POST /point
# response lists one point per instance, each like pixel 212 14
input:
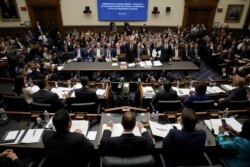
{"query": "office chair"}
pixel 238 104
pixel 89 107
pixel 167 106
pixel 206 162
pixel 204 105
pixel 40 107
pixel 137 161
pixel 15 103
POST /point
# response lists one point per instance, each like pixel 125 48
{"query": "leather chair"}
pixel 15 103
pixel 89 107
pixel 238 104
pixel 137 161
pixel 204 105
pixel 40 107
pixel 167 106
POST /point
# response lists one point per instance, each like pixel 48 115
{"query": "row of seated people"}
pixel 168 100
pixel 39 98
pixel 183 147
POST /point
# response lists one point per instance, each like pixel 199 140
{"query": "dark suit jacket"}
pixel 184 147
pixel 66 149
pixel 7 162
pixel 130 54
pixel 164 95
pixel 239 93
pixel 126 144
pixel 85 94
pixel 46 97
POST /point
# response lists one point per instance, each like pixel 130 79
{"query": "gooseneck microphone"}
pixel 212 129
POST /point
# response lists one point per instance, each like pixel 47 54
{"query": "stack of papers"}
pixel 157 63
pixel 227 87
pixel 117 130
pixel 33 136
pixel 148 92
pixel 215 123
pixel 148 64
pixel 214 89
pixel 12 137
pixel 76 124
pixel 62 92
pixel 142 63
pixel 162 130
pixel 100 92
pixel 182 91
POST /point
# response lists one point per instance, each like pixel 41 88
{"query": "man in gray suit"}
pixel 98 53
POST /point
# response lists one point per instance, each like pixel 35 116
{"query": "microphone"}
pixel 212 129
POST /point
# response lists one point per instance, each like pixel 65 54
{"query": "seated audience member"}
pixel 46 97
pixel 166 94
pixel 238 93
pixel 127 144
pixel 22 90
pixel 85 94
pixel 239 145
pixel 8 158
pixel 185 147
pixel 198 95
pixel 64 148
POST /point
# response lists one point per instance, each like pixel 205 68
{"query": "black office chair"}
pixel 90 107
pixel 40 107
pixel 238 104
pixel 205 162
pixel 204 105
pixel 137 161
pixel 15 103
pixel 167 106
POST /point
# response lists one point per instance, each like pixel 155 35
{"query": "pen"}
pixel 34 132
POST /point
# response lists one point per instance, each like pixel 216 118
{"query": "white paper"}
pixel 80 124
pixel 100 92
pixel 33 136
pixel 182 91
pixel 227 87
pixel 114 64
pixel 11 135
pixel 92 135
pixel 62 92
pixel 214 89
pixel 17 139
pixel 117 130
pixel 217 122
pixel 162 130
pixel 157 63
pixel 131 65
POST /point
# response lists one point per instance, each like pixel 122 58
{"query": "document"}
pixel 215 123
pixel 15 141
pixel 183 91
pixel 114 64
pixel 92 135
pixel 62 92
pixel 80 124
pixel 214 89
pixel 11 135
pixel 227 87
pixel 117 130
pixel 33 136
pixel 76 124
pixel 148 92
pixel 162 130
pixel 100 92
pixel 157 63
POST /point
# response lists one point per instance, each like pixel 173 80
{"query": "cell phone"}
pixel 224 123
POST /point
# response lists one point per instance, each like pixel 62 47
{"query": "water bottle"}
pixel 191 84
pixel 30 82
pixel 178 84
pixel 56 84
pixel 225 113
pixel 3 115
pixel 153 116
pixel 69 84
pixel 46 116
pixel 156 116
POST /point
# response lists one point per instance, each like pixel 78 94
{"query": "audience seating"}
pixel 167 106
pixel 15 103
pixel 137 161
pixel 204 105
pixel 238 104
pixel 40 107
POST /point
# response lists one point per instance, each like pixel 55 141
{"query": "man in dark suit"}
pixel 166 94
pixel 78 53
pixel 127 144
pixel 131 51
pixel 238 93
pixel 8 158
pixel 85 94
pixel 46 97
pixel 64 148
pixel 185 147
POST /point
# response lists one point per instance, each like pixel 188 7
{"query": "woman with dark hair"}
pixel 20 88
pixel 238 145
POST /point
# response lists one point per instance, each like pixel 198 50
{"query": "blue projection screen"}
pixel 112 10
